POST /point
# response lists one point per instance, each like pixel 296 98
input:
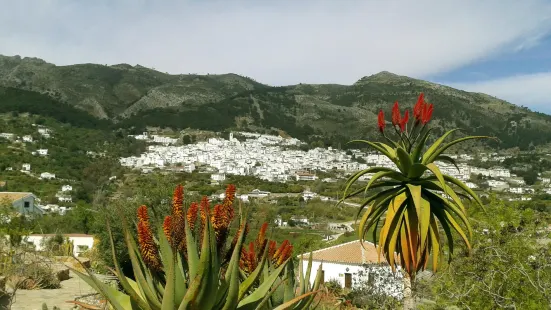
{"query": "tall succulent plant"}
pixel 416 201
pixel 190 266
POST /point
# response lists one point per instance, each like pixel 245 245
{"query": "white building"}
pixel 305 176
pixel 82 242
pixel 45 132
pixel 61 197
pixel 27 138
pixel 47 176
pixel 26 167
pixel 258 193
pixel 351 264
pixel 218 177
pixel 66 188
pixel 7 135
pixel 307 195
pixel 42 152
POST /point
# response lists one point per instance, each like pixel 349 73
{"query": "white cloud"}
pixel 276 42
pixel 530 90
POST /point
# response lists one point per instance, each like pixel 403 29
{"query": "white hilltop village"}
pixel 278 159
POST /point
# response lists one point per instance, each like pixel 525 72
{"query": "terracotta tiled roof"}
pixel 350 252
pixel 12 196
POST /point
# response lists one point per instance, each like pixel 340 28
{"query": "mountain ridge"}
pixel 136 96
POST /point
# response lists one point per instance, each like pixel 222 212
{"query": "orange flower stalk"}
pixel 418 108
pixel 404 121
pixel 192 215
pixel 167 228
pixel 204 209
pixel 142 214
pixel 147 245
pixel 285 254
pixel 381 121
pixel 396 117
pixel 178 232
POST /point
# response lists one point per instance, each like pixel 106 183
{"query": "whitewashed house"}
pixel 305 176
pixel 7 135
pixel 62 197
pixel 351 264
pixel 45 132
pixel 47 176
pixel 258 193
pixel 308 195
pixel 82 242
pixel 42 152
pixel 66 188
pixel 27 138
pixel 218 177
pixel 26 167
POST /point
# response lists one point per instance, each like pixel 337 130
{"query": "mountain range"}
pixel 126 96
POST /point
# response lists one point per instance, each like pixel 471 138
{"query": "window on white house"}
pixel 27 204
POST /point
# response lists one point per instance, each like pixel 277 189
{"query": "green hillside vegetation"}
pixel 126 96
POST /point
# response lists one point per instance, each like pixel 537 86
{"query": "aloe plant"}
pixel 189 265
pixel 415 201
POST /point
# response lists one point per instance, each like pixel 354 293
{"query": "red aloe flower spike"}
pixel 418 108
pixel 427 113
pixel 285 254
pixel 178 200
pixel 404 121
pixel 261 234
pixel 230 194
pixel 220 222
pixel 252 257
pixel 192 215
pixel 280 249
pixel 178 220
pixel 142 214
pixel 396 114
pixel 167 228
pixel 203 211
pixel 272 247
pixel 381 121
pixel 147 245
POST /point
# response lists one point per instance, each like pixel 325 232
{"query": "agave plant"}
pixel 414 200
pixel 189 265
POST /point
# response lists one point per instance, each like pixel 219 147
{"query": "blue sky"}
pixel 500 47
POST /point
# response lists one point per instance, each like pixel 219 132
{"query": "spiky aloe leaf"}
pixel 145 285
pixel 404 160
pixel 432 149
pixel 117 299
pixel 292 302
pixel 169 257
pixel 235 290
pixel 254 276
pixel 129 286
pixel 253 299
pixel 197 294
pixel 438 152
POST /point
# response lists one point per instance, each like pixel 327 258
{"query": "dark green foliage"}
pixel 22 101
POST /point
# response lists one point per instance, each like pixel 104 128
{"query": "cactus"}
pixel 188 266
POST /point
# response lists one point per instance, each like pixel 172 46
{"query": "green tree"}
pixel 510 267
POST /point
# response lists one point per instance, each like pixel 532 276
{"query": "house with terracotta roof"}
pixel 353 265
pixel 23 203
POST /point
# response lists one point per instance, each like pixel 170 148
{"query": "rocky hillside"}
pixel 135 96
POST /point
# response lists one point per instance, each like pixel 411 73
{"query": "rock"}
pixel 61 271
pixel 85 261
